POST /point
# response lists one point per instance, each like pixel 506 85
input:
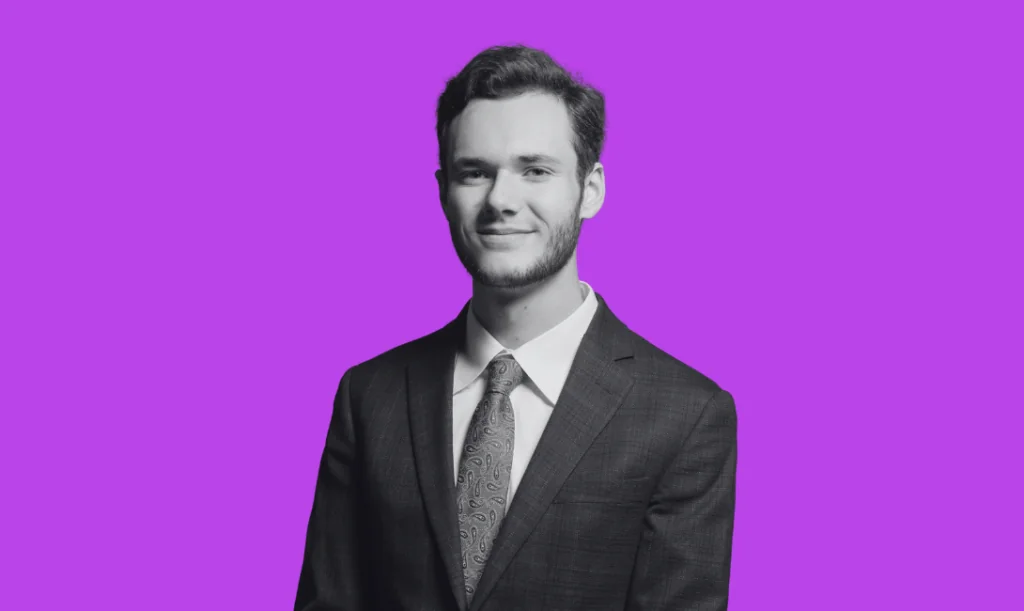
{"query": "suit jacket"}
pixel 627 503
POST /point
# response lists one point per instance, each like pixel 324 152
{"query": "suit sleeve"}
pixel 684 558
pixel 329 578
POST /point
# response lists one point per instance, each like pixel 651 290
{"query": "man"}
pixel 534 453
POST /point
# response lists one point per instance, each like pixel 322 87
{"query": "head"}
pixel 519 142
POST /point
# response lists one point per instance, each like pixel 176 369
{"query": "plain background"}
pixel 211 209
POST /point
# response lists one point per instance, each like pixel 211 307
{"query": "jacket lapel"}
pixel 430 379
pixel 593 392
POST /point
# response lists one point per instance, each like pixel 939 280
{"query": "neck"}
pixel 515 316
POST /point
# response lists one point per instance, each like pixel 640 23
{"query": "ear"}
pixel 593 192
pixel 442 189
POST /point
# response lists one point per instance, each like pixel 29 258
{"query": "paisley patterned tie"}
pixel 485 468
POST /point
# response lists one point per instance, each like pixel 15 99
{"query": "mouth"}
pixel 498 232
pixel 502 239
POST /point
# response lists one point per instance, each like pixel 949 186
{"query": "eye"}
pixel 537 172
pixel 471 175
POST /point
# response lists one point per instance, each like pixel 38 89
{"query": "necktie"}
pixel 486 467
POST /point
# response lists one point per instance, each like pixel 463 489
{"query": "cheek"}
pixel 463 205
pixel 554 209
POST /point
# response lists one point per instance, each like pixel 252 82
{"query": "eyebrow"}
pixel 538 158
pixel 521 159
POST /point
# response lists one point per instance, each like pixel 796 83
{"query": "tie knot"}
pixel 504 374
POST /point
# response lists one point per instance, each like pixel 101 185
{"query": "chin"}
pixel 498 269
pixel 502 282
pixel 498 276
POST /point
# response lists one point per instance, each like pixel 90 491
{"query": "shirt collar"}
pixel 545 360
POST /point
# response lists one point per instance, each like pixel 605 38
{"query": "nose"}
pixel 502 197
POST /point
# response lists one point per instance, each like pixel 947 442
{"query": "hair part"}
pixel 508 71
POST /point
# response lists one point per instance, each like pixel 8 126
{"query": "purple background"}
pixel 210 210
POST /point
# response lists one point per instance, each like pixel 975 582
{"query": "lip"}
pixel 502 232
pixel 502 240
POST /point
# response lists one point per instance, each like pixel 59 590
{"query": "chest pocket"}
pixel 604 488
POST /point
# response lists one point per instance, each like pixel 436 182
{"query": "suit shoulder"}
pixel 394 360
pixel 657 365
pixel 676 388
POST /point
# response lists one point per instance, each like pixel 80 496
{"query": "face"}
pixel 511 195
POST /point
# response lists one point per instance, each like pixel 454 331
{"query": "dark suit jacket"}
pixel 627 502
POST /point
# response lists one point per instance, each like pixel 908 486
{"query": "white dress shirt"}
pixel 545 360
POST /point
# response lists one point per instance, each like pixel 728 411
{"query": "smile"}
pixel 503 240
pixel 503 232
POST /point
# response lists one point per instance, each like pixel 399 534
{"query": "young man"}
pixel 535 453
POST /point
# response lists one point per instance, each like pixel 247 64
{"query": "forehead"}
pixel 532 123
